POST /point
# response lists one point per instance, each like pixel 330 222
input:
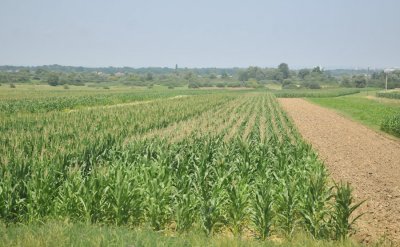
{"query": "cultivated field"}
pixel 352 152
pixel 228 163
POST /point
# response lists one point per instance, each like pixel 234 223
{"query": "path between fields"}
pixel 361 156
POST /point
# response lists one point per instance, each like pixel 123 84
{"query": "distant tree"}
pixel 149 76
pixel 317 70
pixel 53 79
pixel 188 75
pixel 224 75
pixel 346 82
pixel 303 73
pixel 286 83
pixel 243 76
pixel 193 85
pixel 212 76
pixel 360 81
pixel 221 85
pixel 284 69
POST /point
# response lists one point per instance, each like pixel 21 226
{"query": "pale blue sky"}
pixel 331 33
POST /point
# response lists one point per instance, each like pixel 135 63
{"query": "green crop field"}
pixel 393 94
pixel 226 164
pixel 314 93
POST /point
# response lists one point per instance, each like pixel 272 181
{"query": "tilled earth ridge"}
pixel 369 161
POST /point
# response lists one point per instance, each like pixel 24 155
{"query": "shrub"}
pixel 221 85
pixel 290 86
pixel 106 87
pixel 66 86
pixel 312 85
pixel 391 124
pixel 12 85
pixel 193 85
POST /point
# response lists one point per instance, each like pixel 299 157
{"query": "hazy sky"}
pixel 207 33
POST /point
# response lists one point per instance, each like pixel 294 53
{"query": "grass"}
pixel 78 234
pixel 316 93
pixel 362 107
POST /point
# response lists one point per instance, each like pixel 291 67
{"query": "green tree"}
pixel 284 69
pixel 317 70
pixel 303 73
pixel 53 79
pixel 243 76
pixel 360 81
pixel 149 76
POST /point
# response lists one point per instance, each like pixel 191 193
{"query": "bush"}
pixel 106 87
pixel 290 86
pixel 220 85
pixel 66 86
pixel 312 85
pixel 391 124
pixel 12 85
pixel 286 82
pixel 193 85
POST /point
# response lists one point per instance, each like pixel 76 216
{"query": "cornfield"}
pixel 222 162
pixel 390 95
pixel 316 93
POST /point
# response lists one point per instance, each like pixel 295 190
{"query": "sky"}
pixel 207 33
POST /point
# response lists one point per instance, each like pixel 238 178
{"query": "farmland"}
pixel 226 163
pixel 316 93
pixel 375 112
pixel 394 94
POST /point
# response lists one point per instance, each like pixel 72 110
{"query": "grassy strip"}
pixel 78 234
pixel 367 111
pixel 316 93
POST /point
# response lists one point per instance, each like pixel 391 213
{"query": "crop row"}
pixel 390 95
pixel 94 166
pixel 317 93
pixel 53 101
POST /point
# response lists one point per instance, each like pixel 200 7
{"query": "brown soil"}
pixel 369 161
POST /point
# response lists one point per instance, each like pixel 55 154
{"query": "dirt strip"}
pixel 356 154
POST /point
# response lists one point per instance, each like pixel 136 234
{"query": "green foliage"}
pixel 53 79
pixel 345 207
pixel 391 124
pixel 312 85
pixel 284 69
pixel 323 93
pixel 95 165
pixel 368 111
pixel 360 81
pixel 390 95
pixel 78 234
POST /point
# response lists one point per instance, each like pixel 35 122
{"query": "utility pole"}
pixel 386 81
pixel 387 71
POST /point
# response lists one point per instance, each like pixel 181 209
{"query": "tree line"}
pixel 252 76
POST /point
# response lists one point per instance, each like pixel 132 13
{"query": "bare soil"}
pixel 366 159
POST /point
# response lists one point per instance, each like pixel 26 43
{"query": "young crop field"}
pixel 390 94
pixel 315 93
pixel 225 163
